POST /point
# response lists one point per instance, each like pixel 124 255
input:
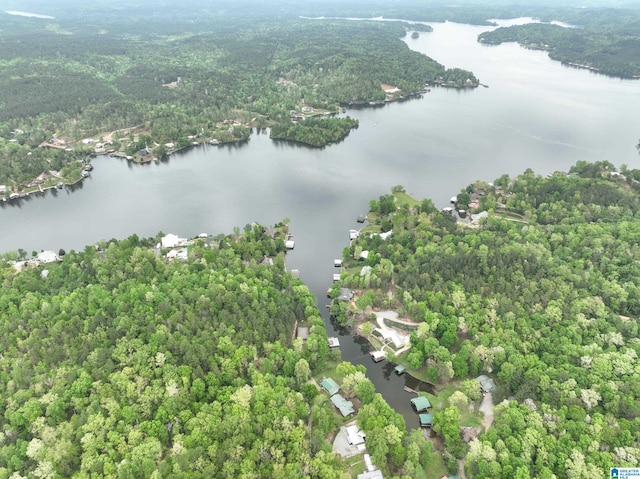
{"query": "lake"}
pixel 534 114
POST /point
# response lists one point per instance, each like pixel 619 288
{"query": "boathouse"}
pixel 420 403
pixel 426 420
pixel 378 356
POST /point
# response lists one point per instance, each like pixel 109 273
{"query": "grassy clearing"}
pixel 402 198
pixel 437 468
pixel 355 465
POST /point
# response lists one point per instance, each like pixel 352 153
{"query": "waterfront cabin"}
pixel 345 407
pixel 345 294
pixel 426 420
pixel 334 342
pixel 336 277
pixel 289 244
pixel 486 384
pixel 420 403
pixel 354 435
pixel 330 386
pixel 400 369
pixel 353 234
pixel 337 263
pixel 454 200
pixel 378 356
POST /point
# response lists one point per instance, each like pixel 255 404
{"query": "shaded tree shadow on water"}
pixel 387 369
pixel 76 186
pixel 283 144
pixel 418 385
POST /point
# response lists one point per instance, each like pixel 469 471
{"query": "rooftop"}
pixel 421 403
pixel 345 407
pixel 426 419
pixel 330 386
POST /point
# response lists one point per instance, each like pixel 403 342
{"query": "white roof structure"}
pixel 171 241
pixel 178 254
pixel 355 436
pixel 47 257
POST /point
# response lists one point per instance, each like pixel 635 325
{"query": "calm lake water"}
pixel 535 114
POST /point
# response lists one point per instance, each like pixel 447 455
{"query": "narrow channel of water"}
pixel 535 114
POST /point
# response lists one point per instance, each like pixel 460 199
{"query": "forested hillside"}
pixel 120 364
pixel 134 82
pixel 542 295
pixel 604 40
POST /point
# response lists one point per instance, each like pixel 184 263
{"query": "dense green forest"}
pixel 314 131
pixel 138 82
pixel 541 294
pixel 119 363
pixel 605 40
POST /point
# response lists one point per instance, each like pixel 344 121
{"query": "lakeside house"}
pixel 171 241
pixel 345 294
pixel 486 383
pixel 355 437
pixel 47 257
pixel 181 254
pixel 330 386
pixel 344 406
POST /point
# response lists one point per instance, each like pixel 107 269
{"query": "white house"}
pixel 171 241
pixel 47 257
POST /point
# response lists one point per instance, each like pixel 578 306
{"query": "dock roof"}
pixel 426 419
pixel 330 386
pixel 400 369
pixel 421 403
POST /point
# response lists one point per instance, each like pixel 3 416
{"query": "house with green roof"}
pixel 330 386
pixel 345 407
